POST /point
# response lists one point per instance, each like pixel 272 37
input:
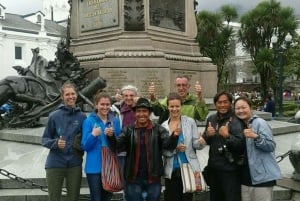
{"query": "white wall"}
pixel 60 8
pixel 8 41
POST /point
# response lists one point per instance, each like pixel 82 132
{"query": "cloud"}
pixel 22 7
pixel 242 5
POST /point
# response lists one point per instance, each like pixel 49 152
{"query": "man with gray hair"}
pixel 126 100
pixel 193 106
pixel 124 110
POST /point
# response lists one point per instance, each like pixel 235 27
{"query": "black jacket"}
pixel 157 138
pixel 221 158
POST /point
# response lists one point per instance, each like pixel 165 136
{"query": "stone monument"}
pixel 138 42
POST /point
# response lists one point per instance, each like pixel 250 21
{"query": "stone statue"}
pixel 35 93
pixel 134 15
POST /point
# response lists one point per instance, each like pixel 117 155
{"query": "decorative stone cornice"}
pixel 187 58
pixel 143 54
pixel 91 57
pixel 122 54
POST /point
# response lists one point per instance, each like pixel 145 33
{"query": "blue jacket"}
pixel 191 136
pixel 261 157
pixel 93 145
pixel 65 122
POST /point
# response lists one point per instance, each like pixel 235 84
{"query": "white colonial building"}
pixel 21 33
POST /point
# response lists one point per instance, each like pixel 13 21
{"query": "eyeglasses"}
pixel 182 85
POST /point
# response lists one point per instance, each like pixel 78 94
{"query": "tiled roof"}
pixel 16 22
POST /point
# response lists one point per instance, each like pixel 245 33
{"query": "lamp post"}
pixel 280 49
pixel 280 81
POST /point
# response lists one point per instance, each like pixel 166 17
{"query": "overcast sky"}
pixel 22 6
pixel 30 6
pixel 244 5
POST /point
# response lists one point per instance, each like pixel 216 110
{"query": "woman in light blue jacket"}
pixel 260 169
pixel 188 140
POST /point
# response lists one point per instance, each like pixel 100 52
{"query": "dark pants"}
pixel 224 185
pixel 174 188
pixel 55 179
pixel 96 190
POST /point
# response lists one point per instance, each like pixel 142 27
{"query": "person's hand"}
pixel 249 133
pixel 224 130
pixel 198 90
pixel 210 130
pixel 109 131
pixel 151 91
pixel 201 139
pixel 181 147
pixel 118 96
pixel 96 131
pixel 61 143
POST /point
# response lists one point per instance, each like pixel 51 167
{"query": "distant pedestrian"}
pixel 270 106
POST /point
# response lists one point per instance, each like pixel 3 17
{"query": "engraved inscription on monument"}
pixel 168 14
pixel 159 80
pixel 98 14
pixel 140 77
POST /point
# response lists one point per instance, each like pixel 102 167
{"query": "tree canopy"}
pixel 214 38
pixel 257 28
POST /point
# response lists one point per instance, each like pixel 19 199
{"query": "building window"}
pixel 39 19
pixel 18 52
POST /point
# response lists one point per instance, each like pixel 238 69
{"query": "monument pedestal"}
pixel 136 42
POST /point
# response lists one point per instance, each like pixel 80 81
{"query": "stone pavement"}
pixel 22 155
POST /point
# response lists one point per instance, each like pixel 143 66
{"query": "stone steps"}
pixel 280 194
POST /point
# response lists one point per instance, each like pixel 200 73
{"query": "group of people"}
pixel 241 163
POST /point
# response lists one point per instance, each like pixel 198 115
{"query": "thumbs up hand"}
pixel 198 90
pixel 201 139
pixel 210 130
pixel 61 142
pixel 151 91
pixel 118 95
pixel 96 130
pixel 224 131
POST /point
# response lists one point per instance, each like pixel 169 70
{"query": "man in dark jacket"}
pixel 224 135
pixel 143 142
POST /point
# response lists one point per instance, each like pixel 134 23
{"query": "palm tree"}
pixel 215 38
pixel 257 28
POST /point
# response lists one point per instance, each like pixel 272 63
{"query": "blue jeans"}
pixel 96 190
pixel 121 160
pixel 141 190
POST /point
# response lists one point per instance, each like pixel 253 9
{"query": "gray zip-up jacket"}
pixel 191 136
